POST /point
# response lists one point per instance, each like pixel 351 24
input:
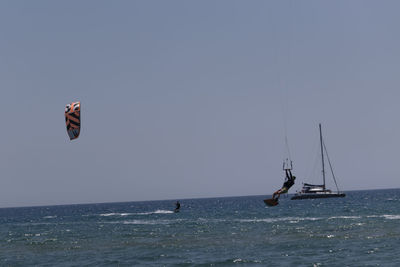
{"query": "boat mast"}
pixel 322 154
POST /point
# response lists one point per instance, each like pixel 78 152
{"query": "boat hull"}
pixel 313 196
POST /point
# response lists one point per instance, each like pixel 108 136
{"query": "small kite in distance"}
pixel 73 119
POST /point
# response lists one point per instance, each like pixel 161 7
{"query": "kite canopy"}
pixel 73 119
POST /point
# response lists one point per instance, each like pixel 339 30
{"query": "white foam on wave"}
pixel 392 217
pixel 140 222
pixel 108 214
pixel 296 219
pixel 139 213
pixel 345 217
pixel 286 219
pixel 155 212
pixel 386 216
pixel 239 260
pixel 146 222
pixel 116 214
pixel 50 217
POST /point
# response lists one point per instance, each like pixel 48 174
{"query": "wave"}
pixel 345 217
pixel 392 217
pixel 288 219
pixel 116 214
pixel 50 217
pixel 148 222
pixel 297 219
pixel 155 212
pixel 386 216
pixel 139 213
pixel 143 222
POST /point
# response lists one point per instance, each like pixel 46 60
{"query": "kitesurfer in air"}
pixel 289 182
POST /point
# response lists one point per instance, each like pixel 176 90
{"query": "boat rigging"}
pixel 310 191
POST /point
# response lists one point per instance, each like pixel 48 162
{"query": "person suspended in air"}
pixel 289 182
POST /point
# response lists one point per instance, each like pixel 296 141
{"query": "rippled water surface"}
pixel 362 229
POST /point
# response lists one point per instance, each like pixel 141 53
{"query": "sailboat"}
pixel 319 191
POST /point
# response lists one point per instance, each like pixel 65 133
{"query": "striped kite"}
pixel 73 119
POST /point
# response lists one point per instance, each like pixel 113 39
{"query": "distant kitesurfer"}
pixel 177 206
pixel 289 182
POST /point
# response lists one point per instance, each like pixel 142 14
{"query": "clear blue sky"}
pixel 185 99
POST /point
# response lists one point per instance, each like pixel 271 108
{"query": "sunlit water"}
pixel 362 229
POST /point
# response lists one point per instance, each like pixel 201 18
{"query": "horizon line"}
pixel 171 199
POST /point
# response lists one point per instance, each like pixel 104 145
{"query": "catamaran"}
pixel 319 191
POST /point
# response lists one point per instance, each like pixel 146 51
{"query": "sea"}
pixel 362 229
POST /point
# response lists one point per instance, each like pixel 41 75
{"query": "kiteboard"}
pixel 271 202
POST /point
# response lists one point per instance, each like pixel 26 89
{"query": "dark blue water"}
pixel 362 229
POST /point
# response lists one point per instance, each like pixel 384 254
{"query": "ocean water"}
pixel 362 229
